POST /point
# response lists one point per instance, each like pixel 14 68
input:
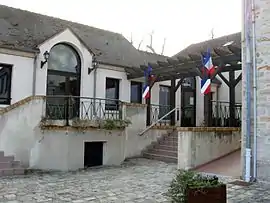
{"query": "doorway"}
pixel 63 83
pixel 93 154
pixel 188 102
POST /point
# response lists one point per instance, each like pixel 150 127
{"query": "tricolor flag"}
pixel 208 71
pixel 208 63
pixel 146 89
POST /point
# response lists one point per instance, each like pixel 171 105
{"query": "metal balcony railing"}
pixel 85 108
pixel 221 114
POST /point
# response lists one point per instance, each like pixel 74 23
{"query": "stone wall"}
pixel 198 146
pixel 262 32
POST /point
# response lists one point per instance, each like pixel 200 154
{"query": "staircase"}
pixel 8 166
pixel 165 149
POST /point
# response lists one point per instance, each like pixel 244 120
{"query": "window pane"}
pixel 112 92
pixel 63 58
pixel 136 92
pixel 5 83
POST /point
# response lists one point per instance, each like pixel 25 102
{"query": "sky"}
pixel 181 22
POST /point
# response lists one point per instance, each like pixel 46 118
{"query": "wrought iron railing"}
pixel 85 108
pixel 158 111
pixel 221 114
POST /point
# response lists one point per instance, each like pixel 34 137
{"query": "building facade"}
pixel 41 56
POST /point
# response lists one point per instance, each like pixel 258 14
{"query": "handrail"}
pixel 149 127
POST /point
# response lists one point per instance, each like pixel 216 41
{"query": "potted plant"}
pixel 191 187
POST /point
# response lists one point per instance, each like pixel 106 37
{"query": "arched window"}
pixel 63 79
pixel 64 69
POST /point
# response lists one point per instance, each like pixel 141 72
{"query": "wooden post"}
pixel 172 101
pixel 232 97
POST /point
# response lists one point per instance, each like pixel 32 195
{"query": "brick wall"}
pixel 262 27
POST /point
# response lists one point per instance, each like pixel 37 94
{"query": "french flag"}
pixel 208 63
pixel 146 89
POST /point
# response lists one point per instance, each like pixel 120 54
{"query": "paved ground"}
pixel 229 166
pixel 138 180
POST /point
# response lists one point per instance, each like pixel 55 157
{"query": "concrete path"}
pixel 138 180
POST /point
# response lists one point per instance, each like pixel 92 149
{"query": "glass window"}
pixel 63 58
pixel 5 83
pixel 136 92
pixel 112 94
pixel 164 100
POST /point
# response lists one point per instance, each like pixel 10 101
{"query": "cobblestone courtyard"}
pixel 138 180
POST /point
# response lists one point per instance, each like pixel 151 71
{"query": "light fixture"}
pixel 94 65
pixel 46 57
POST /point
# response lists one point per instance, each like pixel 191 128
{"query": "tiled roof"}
pixel 24 30
pixel 198 48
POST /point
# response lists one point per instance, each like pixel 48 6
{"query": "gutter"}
pixel 34 75
pixel 254 92
pixel 248 66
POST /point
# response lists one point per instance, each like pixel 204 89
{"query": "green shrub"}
pixel 188 179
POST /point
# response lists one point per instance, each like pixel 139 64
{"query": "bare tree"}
pixel 131 38
pixel 163 46
pixel 150 46
pixel 212 33
pixel 140 43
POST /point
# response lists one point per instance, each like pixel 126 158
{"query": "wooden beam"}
pixel 172 101
pixel 179 83
pixel 224 79
pixel 232 97
pixel 238 79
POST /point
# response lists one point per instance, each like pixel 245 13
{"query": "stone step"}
pixel 6 158
pixel 15 164
pixel 166 147
pixel 2 154
pixel 11 171
pixel 171 138
pixel 167 159
pixel 163 152
pixel 4 165
pixel 168 142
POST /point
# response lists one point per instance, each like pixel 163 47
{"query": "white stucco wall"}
pixel 60 150
pixel 18 127
pixel 86 61
pixel 22 75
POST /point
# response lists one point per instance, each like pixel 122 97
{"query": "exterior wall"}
pixel 18 124
pixel 60 150
pixel 86 62
pixel 262 28
pixel 200 146
pixel 22 75
pixel 105 71
pixel 135 143
pixel 64 149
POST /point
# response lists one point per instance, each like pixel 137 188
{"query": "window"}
pixel 164 100
pixel 63 78
pixel 112 94
pixel 5 83
pixel 136 92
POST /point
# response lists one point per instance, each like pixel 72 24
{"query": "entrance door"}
pixel 164 101
pixel 188 103
pixel 93 154
pixel 63 83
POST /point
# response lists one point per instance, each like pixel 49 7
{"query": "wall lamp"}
pixel 94 64
pixel 46 57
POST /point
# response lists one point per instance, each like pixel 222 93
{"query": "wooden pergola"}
pixel 226 56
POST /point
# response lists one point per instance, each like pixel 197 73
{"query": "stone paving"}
pixel 138 180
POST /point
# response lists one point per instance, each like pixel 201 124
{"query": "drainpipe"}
pixel 248 89
pixel 254 92
pixel 34 75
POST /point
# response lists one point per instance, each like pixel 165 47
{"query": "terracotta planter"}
pixel 209 195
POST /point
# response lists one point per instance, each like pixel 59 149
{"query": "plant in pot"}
pixel 191 187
